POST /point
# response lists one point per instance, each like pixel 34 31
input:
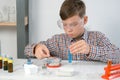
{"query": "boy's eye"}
pixel 74 24
pixel 64 24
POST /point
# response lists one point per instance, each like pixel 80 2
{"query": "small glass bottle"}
pixel 5 63
pixel 10 65
pixel 0 62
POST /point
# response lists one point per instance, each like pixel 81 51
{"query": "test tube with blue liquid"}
pixel 69 56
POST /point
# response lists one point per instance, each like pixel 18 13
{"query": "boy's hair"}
pixel 70 8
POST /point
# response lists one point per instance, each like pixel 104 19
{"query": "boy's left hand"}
pixel 79 47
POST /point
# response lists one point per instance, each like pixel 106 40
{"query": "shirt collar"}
pixel 84 37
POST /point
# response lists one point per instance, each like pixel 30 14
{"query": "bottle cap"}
pixel 5 59
pixel 29 61
pixel 0 58
pixel 10 61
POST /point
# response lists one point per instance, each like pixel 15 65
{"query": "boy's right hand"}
pixel 41 51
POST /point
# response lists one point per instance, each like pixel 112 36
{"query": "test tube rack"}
pixel 111 71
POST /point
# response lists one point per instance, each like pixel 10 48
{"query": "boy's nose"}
pixel 69 30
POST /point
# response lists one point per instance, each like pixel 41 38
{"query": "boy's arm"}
pixel 51 44
pixel 29 49
pixel 104 50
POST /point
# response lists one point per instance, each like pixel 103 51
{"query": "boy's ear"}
pixel 85 19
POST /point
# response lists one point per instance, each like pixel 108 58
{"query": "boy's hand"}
pixel 80 47
pixel 41 51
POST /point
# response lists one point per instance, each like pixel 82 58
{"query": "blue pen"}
pixel 69 56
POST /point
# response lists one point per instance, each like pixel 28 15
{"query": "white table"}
pixel 85 70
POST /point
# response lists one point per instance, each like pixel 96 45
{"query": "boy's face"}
pixel 74 26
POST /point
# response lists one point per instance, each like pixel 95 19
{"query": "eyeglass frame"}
pixel 71 26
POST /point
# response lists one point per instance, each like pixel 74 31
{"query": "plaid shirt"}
pixel 100 47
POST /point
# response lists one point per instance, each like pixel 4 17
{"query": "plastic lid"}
pixel 5 59
pixel 0 58
pixel 53 62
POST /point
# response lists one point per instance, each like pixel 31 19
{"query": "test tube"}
pixel 69 56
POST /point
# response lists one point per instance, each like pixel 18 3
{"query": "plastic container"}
pixel 53 62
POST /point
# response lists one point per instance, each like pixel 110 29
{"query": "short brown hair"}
pixel 70 8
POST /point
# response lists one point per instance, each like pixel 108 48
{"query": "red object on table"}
pixel 111 71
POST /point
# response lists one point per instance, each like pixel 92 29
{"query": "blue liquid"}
pixel 69 57
pixel 29 61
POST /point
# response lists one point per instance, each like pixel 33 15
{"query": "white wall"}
pixel 43 19
pixel 8 37
pixel 103 16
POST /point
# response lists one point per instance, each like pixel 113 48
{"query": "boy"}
pixel 83 44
